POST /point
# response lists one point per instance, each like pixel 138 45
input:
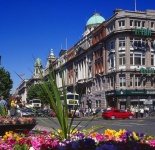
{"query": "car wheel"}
pixel 112 117
pixel 130 117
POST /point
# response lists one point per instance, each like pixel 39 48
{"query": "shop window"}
pixel 121 59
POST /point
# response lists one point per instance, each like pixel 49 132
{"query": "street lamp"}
pixel 0 59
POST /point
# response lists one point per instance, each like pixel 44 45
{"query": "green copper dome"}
pixel 38 62
pixel 95 19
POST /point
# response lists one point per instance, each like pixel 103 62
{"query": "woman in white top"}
pixel 141 112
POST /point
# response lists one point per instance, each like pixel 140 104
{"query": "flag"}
pixel 22 74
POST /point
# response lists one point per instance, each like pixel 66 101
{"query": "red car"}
pixel 52 113
pixel 117 113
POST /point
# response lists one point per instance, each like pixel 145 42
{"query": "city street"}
pixel 144 125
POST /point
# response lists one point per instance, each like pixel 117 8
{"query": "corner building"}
pixel 114 62
pixel 130 45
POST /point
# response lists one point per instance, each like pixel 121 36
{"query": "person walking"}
pixel 141 112
pixel 136 111
pixel 3 104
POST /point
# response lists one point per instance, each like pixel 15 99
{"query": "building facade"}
pixel 114 62
pixel 130 45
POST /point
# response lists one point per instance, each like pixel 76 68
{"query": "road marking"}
pixel 76 125
pixel 123 125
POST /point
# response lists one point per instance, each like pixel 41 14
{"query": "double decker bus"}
pixel 72 100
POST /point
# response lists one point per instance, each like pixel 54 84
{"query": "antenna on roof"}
pixel 135 5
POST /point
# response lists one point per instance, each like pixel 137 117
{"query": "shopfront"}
pixel 125 98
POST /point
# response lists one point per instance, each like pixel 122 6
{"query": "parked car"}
pixel 52 113
pixel 27 112
pixel 117 113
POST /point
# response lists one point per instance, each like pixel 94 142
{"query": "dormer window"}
pixel 152 25
pixel 137 24
pixel 121 23
pixel 143 24
pixel 131 23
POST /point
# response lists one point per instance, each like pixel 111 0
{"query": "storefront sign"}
pixel 135 92
pixel 110 93
pixel 145 32
pixel 143 70
pixel 150 92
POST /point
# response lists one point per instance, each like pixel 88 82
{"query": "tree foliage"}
pixel 36 91
pixel 6 83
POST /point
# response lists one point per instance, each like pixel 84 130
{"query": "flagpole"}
pixel 135 5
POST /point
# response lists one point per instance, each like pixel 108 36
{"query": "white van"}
pixel 34 103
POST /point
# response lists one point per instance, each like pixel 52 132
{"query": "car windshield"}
pixel 36 101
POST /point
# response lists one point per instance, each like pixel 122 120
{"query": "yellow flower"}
pixel 135 136
pixel 149 138
pixel 120 133
pixel 93 135
pixel 59 131
pixel 110 133
pixel 74 131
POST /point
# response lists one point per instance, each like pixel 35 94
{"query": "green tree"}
pixel 36 91
pixel 6 83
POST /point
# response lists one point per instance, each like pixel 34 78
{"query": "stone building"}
pixel 113 63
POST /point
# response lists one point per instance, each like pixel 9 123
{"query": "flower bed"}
pixel 16 124
pixel 17 120
pixel 109 140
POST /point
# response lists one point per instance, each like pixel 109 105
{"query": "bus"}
pixel 34 103
pixel 72 100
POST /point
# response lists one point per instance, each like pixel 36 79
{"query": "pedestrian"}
pixel 136 111
pixel 141 112
pixel 3 106
pixel 146 111
pixel 108 108
pixel 132 110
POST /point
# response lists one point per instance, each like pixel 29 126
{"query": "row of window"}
pixel 136 23
pixel 134 42
pixel 135 81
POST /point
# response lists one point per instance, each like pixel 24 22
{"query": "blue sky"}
pixel 32 27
